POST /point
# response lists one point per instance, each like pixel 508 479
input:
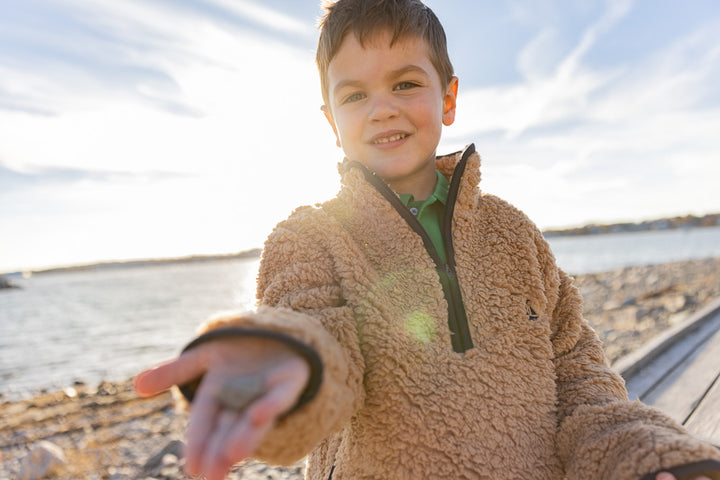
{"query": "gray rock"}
pixel 172 449
pixel 238 392
pixel 43 460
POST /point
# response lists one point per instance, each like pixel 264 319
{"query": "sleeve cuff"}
pixel 304 350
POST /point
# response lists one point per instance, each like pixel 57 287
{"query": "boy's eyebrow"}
pixel 345 83
pixel 390 75
pixel 406 69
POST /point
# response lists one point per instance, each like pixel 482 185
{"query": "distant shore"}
pixel 106 431
pixel 246 254
pixel 672 223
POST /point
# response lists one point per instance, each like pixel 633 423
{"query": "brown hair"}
pixel 365 18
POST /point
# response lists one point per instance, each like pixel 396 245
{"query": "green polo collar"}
pixel 440 194
pixel 430 212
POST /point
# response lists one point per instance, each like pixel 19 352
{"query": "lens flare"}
pixel 420 326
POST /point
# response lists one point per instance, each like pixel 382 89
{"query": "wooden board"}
pixel 705 420
pixel 679 373
pixel 683 386
pixel 647 367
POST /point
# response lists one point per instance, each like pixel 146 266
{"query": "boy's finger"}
pixel 201 424
pixel 183 369
pixel 216 461
pixel 244 439
pixel 150 382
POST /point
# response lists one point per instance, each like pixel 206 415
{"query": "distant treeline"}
pixel 688 221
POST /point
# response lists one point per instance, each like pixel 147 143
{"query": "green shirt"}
pixel 430 212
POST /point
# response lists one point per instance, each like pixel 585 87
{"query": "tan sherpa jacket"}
pixel 532 398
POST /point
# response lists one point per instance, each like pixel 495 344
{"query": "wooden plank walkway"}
pixel 679 373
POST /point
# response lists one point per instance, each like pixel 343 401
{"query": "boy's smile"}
pixel 387 107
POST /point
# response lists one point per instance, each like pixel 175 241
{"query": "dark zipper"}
pixel 457 317
pixel 462 340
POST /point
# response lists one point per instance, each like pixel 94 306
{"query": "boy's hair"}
pixel 365 18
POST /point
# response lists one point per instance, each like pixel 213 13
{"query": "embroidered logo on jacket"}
pixel 530 312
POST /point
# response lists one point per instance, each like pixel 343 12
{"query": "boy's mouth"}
pixel 392 138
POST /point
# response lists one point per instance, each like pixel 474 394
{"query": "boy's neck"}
pixel 420 184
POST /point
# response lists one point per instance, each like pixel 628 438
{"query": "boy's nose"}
pixel 382 108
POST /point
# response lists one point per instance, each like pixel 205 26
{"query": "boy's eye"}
pixel 353 97
pixel 405 85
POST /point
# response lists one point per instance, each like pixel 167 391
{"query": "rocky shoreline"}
pixel 106 432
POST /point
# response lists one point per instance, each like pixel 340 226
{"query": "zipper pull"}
pixel 447 269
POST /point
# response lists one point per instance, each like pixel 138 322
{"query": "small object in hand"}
pixel 238 392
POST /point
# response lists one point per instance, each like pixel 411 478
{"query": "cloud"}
pixel 215 135
pixel 267 17
pixel 621 141
pixel 185 97
pixel 548 93
pixel 616 10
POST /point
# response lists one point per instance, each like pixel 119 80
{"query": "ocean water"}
pixel 108 324
pixel 600 253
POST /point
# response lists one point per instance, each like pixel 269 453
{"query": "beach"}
pixel 104 431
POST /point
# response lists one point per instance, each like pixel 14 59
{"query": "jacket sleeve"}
pixel 601 434
pixel 299 295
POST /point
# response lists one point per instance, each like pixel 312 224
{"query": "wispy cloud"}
pixel 267 17
pixel 547 94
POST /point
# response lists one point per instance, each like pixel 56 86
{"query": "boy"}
pixel 412 327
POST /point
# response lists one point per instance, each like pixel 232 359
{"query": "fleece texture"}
pixel 533 399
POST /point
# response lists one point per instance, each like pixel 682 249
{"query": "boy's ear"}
pixel 328 115
pixel 450 101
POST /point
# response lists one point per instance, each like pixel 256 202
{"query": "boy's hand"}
pixel 218 437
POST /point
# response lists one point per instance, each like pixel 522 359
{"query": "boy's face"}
pixel 387 106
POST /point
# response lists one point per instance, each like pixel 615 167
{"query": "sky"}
pixel 162 128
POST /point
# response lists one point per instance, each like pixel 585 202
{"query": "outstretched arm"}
pixel 300 297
